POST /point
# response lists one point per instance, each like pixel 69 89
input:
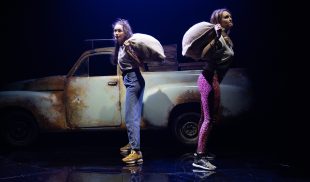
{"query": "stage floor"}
pixel 89 157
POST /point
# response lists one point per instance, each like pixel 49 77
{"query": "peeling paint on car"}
pixel 72 102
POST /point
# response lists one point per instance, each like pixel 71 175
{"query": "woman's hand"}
pixel 218 30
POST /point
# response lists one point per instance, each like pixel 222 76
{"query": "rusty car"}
pixel 88 98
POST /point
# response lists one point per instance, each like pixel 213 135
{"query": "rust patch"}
pixel 123 125
pixel 74 103
pixel 143 123
pixel 188 96
pixel 52 117
pixel 47 83
pixel 91 103
pixel 47 108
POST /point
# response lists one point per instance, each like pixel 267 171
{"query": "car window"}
pixel 96 65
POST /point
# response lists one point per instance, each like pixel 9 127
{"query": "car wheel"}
pixel 185 128
pixel 20 129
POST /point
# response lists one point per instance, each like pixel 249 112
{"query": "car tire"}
pixel 185 128
pixel 20 129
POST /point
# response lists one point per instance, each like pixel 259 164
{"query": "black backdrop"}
pixel 41 38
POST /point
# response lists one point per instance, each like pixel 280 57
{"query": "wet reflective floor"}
pixel 95 157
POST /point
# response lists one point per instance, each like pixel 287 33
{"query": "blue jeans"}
pixel 134 84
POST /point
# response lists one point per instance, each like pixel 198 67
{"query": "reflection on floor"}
pixel 61 159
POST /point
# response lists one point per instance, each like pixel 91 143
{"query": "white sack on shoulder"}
pixel 147 47
pixel 196 38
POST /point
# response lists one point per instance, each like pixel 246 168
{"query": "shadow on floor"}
pixel 95 157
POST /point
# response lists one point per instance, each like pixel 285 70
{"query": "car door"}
pixel 92 94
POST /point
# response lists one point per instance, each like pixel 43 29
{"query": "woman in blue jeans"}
pixel 134 83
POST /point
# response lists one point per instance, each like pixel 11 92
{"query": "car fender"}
pixel 160 101
pixel 46 107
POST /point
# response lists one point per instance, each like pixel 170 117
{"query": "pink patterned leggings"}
pixel 208 86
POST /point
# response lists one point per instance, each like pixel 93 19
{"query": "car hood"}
pixel 50 83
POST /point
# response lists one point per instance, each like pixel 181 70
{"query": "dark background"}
pixel 46 38
pixel 41 38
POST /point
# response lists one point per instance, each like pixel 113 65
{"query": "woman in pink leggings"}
pixel 217 54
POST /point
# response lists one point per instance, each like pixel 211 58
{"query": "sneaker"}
pixel 209 156
pixel 126 149
pixel 203 163
pixel 133 157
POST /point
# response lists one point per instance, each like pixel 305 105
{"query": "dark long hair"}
pixel 128 33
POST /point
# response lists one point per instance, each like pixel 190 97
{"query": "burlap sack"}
pixel 196 38
pixel 146 47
